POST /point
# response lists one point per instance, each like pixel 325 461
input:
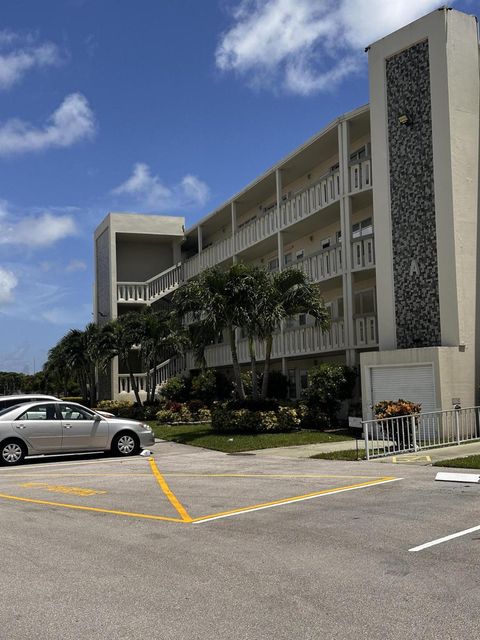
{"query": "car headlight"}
pixel 146 426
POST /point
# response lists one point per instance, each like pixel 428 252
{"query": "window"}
pixel 299 255
pixel 273 264
pixel 292 383
pixel 75 412
pixel 325 243
pixel 40 412
pixel 359 154
pixel 363 228
pixel 338 237
pixel 302 319
pixel 303 379
pixel 364 302
pixel 287 259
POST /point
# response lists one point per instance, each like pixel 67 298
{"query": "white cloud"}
pixel 305 46
pixel 19 53
pixel 71 122
pixel 75 265
pixel 148 191
pixel 8 282
pixel 15 64
pixel 37 231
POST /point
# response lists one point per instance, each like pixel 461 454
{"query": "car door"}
pixel 41 428
pixel 82 429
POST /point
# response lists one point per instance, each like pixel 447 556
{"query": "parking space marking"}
pixel 55 488
pixel 95 509
pixel 172 498
pixel 184 516
pixel 452 536
pixel 410 459
pixel 173 474
pixel 284 501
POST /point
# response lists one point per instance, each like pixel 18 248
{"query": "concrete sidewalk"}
pixel 424 457
pixel 309 450
pixel 427 457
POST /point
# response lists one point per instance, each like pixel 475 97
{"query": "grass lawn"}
pixel 349 454
pixel 469 462
pixel 201 435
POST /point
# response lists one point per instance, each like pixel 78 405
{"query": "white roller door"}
pixel 409 382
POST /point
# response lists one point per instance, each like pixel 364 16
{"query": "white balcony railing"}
pixel 309 200
pixel 366 331
pixel 322 265
pixel 302 204
pixel 124 382
pixel 361 175
pixel 256 230
pixel 165 282
pixel 363 253
pixel 298 341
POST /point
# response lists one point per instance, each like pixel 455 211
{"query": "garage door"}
pixel 409 382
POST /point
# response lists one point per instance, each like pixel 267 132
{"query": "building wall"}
pixel 138 260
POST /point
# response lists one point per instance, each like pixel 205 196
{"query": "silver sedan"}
pixel 66 427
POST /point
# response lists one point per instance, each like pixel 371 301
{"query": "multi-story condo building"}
pixel 380 208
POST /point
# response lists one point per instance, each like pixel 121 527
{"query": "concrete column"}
pixel 234 231
pixel 176 251
pixel 200 238
pixel 279 187
pixel 346 230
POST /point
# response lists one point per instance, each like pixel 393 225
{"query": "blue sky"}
pixel 157 106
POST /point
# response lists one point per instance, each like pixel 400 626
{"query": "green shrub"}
pixel 113 405
pixel 175 388
pixel 174 412
pixel 204 386
pixel 228 419
pixel 194 406
pixel 328 384
pixel 277 385
pixel 312 418
pixel 204 415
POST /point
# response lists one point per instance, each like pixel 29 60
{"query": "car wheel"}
pixel 12 452
pixel 125 444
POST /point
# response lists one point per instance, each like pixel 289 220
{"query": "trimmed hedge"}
pixel 230 419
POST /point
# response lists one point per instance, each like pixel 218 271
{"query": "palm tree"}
pixel 219 302
pixel 119 337
pixel 162 337
pixel 79 354
pixel 285 294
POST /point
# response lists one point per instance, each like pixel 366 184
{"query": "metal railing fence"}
pixel 403 434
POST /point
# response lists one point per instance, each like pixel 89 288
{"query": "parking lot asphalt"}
pixel 199 544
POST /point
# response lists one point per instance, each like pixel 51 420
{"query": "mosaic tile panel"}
pixel 415 267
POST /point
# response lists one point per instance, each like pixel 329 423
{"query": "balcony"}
pixel 296 342
pixel 360 175
pixel 153 289
pixel 322 265
pixel 363 253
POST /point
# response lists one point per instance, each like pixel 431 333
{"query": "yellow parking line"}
pixel 186 475
pixel 169 493
pixel 97 510
pixel 307 496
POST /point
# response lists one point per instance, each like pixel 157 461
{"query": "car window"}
pixel 75 412
pixel 39 412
